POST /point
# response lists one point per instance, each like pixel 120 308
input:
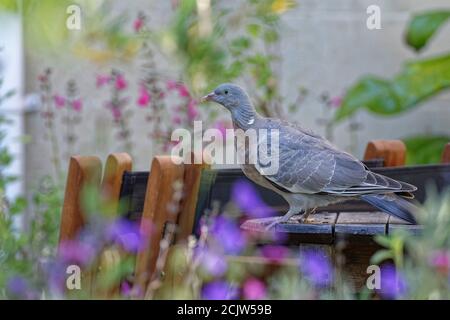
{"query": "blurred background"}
pixel 94 77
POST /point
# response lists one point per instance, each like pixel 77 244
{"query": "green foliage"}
pixel 425 149
pixel 417 82
pixel 423 27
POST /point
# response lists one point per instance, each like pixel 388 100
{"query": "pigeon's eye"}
pixel 226 92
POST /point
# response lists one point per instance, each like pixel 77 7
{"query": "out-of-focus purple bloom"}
pixel 18 287
pixel 316 267
pixel 254 289
pixel 126 234
pixel 138 24
pixel 176 119
pixel 222 127
pixel 336 102
pixel 228 234
pixel 76 252
pixel 144 97
pixel 125 289
pixel 183 91
pixel 117 114
pixel 275 253
pixel 120 82
pixel 441 261
pixel 192 110
pixel 212 262
pixel 171 84
pixel 77 105
pixel 248 200
pixel 102 80
pixel 219 290
pixel 60 101
pixel 393 285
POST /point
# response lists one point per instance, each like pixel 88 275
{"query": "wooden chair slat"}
pixel 116 165
pixel 446 154
pixel 392 151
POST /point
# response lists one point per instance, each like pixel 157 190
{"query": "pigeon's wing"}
pixel 308 163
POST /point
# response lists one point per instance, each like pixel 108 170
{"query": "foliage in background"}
pixel 423 149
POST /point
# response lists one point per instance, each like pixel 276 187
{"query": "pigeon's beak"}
pixel 208 97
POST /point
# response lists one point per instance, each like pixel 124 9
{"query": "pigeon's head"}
pixel 229 95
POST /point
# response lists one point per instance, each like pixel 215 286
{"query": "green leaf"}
pixel 415 83
pixel 425 149
pixel 254 29
pixel 380 256
pixel 423 26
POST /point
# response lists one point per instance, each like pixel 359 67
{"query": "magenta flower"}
pixel 76 252
pixel 126 234
pixel 393 284
pixel 120 82
pixel 254 289
pixel 171 84
pixel 441 261
pixel 144 97
pixel 138 24
pixel 275 253
pixel 245 196
pixel 116 113
pixel 59 101
pixel 218 290
pixel 102 80
pixel 183 91
pixel 77 105
pixel 228 235
pixel 222 126
pixel 336 102
pixel 176 119
pixel 192 110
pixel 316 267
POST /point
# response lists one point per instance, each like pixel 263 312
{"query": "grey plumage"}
pixel 312 172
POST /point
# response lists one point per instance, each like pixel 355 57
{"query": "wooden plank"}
pixel 157 211
pixel 395 224
pixel 392 151
pixel 361 223
pixel 446 154
pixel 116 165
pixel 83 171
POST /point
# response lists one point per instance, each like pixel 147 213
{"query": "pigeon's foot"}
pixel 279 220
pixel 304 218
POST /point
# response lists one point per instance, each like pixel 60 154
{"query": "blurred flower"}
pixel 274 253
pixel 76 252
pixel 254 289
pixel 316 267
pixel 228 235
pixel 212 262
pixel 171 84
pixel 176 119
pixel 280 6
pixel 120 82
pixel 218 290
pixel 441 261
pixel 60 101
pixel 125 289
pixel 19 288
pixel 245 196
pixel 126 234
pixel 144 97
pixel 192 110
pixel 393 284
pixel 138 24
pixel 77 105
pixel 116 113
pixel 336 102
pixel 221 126
pixel 102 80
pixel 183 91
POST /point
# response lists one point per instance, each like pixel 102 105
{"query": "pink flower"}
pixel 117 114
pixel 60 101
pixel 162 95
pixel 441 261
pixel 254 289
pixel 144 97
pixel 138 24
pixel 183 91
pixel 171 84
pixel 336 102
pixel 77 105
pixel 176 119
pixel 102 80
pixel 121 83
pixel 192 110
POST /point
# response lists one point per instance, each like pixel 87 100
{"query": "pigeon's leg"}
pixel 285 218
pixel 306 214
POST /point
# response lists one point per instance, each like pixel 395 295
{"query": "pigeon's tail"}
pixel 393 205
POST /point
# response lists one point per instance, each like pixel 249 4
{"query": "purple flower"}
pixel 183 91
pixel 316 267
pixel 192 110
pixel 228 235
pixel 126 234
pixel 138 24
pixel 254 289
pixel 77 105
pixel 393 284
pixel 274 253
pixel 144 97
pixel 19 288
pixel 120 82
pixel 441 261
pixel 212 262
pixel 336 102
pixel 76 252
pixel 245 196
pixel 60 101
pixel 102 80
pixel 218 290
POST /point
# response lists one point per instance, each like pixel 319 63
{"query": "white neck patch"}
pixel 251 121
